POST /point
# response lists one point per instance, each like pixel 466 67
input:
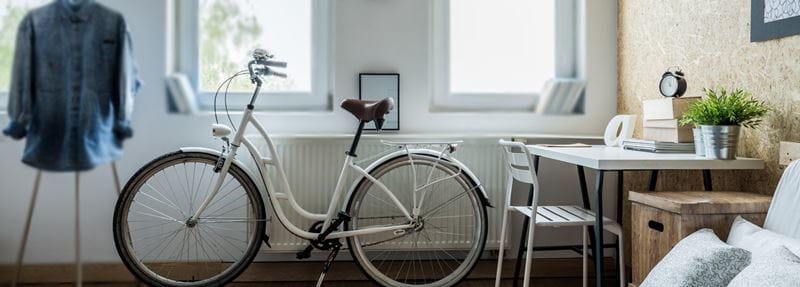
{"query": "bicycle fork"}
pixel 223 172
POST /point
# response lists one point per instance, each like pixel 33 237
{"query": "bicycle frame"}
pixel 333 207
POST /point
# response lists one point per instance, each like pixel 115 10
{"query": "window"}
pixel 498 54
pixel 226 31
pixel 11 13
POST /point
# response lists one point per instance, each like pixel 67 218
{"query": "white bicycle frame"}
pixel 339 191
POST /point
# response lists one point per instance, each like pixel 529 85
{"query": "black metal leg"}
pixel 585 198
pixel 524 236
pixel 653 180
pixel 707 180
pixel 598 229
pixel 620 193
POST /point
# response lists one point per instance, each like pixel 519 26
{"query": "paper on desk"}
pixel 572 145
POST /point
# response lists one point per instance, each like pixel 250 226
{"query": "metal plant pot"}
pixel 721 141
pixel 699 147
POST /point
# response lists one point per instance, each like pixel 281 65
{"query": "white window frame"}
pixel 444 100
pixel 188 62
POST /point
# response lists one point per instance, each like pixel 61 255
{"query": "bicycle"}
pixel 196 217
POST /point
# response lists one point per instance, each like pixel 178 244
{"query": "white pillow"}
pixel 777 268
pixel 748 236
pixel 700 259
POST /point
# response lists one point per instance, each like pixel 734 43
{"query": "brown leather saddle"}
pixel 367 111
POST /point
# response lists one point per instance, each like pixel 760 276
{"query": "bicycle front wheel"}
pixel 162 248
pixel 449 233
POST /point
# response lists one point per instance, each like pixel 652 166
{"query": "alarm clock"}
pixel 673 84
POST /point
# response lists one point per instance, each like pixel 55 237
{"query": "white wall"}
pixel 370 36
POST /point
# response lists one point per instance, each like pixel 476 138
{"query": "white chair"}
pixel 519 162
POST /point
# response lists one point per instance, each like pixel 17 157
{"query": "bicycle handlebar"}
pixel 275 64
pixel 261 63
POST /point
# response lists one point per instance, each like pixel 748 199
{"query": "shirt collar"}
pixel 81 15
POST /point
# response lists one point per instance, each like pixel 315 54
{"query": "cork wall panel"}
pixel 710 42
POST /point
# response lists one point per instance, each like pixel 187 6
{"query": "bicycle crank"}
pixel 321 243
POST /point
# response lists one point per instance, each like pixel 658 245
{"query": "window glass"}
pixel 501 46
pixel 11 13
pixel 231 29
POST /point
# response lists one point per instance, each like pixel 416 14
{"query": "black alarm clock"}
pixel 673 84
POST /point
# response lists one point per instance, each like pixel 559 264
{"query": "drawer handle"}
pixel 657 226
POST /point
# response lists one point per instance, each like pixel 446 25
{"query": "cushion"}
pixel 748 236
pixel 700 259
pixel 778 268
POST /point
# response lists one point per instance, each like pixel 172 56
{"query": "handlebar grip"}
pixel 277 74
pixel 275 64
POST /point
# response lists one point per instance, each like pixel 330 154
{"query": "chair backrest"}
pixel 783 216
pixel 519 163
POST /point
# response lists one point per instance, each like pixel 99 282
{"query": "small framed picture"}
pixel 378 86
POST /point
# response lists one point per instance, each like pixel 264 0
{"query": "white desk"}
pixel 614 159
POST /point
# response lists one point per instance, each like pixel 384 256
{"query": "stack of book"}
pixel 657 146
pixel 661 118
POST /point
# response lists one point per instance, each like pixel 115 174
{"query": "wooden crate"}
pixel 661 219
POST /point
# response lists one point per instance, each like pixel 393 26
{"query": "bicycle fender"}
pixel 484 198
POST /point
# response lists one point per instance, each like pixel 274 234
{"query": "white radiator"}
pixel 313 164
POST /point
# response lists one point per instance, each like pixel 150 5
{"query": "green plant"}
pixel 721 107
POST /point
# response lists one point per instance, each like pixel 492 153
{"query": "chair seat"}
pixel 561 215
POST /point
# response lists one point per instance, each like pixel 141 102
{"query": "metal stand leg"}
pixel 116 177
pixel 598 229
pixel 78 265
pixel 653 180
pixel 31 205
pixel 707 180
pixel 524 235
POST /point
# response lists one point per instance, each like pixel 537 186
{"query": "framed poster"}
pixel 378 86
pixel 771 19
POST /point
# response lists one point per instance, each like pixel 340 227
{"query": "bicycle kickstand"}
pixel 329 263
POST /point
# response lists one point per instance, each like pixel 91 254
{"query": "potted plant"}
pixel 697 132
pixel 720 116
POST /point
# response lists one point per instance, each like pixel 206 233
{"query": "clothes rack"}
pixel 32 204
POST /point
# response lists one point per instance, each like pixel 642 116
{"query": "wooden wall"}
pixel 710 41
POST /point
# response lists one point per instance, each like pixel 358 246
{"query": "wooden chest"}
pixel 660 219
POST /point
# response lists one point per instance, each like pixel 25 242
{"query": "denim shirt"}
pixel 72 86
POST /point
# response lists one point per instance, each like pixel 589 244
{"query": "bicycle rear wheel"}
pixel 158 244
pixel 449 235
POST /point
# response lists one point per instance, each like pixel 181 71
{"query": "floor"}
pixel 541 282
pixel 546 272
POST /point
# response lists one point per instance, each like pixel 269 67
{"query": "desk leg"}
pixel 586 204
pixel 598 229
pixel 707 180
pixel 653 180
pixel 523 237
pixel 620 194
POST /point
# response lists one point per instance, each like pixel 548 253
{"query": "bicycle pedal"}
pixel 306 253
